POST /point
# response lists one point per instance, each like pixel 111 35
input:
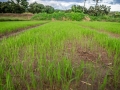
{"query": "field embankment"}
pixel 15 17
pixel 60 55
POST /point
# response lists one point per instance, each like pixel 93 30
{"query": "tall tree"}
pixel 97 1
pixel 36 8
pixel 84 5
pixel 19 6
pixel 24 4
pixel 84 2
pixel 74 7
pixel 49 9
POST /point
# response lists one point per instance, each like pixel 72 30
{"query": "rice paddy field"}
pixel 8 27
pixel 61 55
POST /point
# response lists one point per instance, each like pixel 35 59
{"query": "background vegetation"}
pixel 95 13
pixel 59 16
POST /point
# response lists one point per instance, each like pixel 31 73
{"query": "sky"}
pixel 66 4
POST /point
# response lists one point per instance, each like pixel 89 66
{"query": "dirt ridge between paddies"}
pixel 113 35
pixel 18 31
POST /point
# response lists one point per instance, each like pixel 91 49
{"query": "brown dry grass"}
pixel 24 16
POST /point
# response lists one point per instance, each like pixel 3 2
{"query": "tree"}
pixel 5 7
pixel 36 8
pixel 99 10
pixel 78 8
pixel 84 5
pixel 0 7
pixel 24 4
pixel 18 6
pixel 73 8
pixel 13 6
pixel 49 9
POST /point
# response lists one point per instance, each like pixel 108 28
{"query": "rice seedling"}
pixel 112 27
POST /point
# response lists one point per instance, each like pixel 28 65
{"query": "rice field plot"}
pixel 110 27
pixel 60 56
pixel 14 26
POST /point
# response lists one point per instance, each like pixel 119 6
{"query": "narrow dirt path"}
pixel 18 31
pixel 103 31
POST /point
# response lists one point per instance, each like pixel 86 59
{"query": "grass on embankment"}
pixel 45 58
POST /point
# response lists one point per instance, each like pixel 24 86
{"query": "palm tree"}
pixel 97 1
pixel 84 2
pixel 84 5
pixel 74 8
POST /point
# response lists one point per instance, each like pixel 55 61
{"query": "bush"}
pixel 59 16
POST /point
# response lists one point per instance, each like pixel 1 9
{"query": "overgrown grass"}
pixel 45 58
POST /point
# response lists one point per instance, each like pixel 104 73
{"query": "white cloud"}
pixel 67 5
pixel 115 7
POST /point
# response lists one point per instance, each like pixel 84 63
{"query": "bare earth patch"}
pixel 76 52
pixel 99 60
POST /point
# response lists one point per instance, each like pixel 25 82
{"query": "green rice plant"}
pixel 112 27
pixel 116 73
pixel 33 80
pixel 47 57
pixel 105 80
pixel 80 71
pixel 9 84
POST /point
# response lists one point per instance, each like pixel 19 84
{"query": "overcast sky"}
pixel 66 4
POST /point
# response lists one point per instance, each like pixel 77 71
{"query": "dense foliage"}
pixel 20 6
pixel 40 8
pixel 93 10
pixel 11 6
pixel 97 12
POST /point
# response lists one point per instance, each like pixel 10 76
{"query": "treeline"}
pixel 96 10
pixel 21 6
pixel 14 6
